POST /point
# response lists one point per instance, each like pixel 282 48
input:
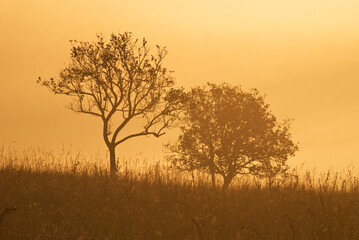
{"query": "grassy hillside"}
pixel 53 203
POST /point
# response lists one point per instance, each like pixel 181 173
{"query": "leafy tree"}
pixel 119 81
pixel 230 132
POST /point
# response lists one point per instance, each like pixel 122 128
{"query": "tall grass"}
pixel 67 196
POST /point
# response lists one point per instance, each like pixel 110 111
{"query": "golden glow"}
pixel 304 55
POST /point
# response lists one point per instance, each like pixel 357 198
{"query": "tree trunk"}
pixel 226 181
pixel 212 167
pixel 213 179
pixel 113 165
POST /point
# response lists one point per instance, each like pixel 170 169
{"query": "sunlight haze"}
pixel 303 55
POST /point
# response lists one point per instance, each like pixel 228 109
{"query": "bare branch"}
pixel 118 81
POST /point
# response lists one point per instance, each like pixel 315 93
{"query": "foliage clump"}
pixel 230 132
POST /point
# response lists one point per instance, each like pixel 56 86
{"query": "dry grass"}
pixel 56 197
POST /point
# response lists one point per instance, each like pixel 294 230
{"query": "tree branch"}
pixel 137 135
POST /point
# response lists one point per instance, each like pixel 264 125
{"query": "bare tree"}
pixel 230 132
pixel 119 81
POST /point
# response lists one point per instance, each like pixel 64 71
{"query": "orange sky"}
pixel 304 55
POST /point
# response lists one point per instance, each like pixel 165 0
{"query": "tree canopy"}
pixel 230 132
pixel 118 81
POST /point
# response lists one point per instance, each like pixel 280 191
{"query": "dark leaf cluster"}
pixel 230 132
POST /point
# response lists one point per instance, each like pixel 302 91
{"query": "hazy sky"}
pixel 304 55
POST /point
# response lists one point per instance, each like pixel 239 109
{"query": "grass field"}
pixel 43 196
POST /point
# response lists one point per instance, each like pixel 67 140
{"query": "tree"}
pixel 230 132
pixel 118 81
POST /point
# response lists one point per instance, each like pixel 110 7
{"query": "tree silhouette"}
pixel 230 132
pixel 120 82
